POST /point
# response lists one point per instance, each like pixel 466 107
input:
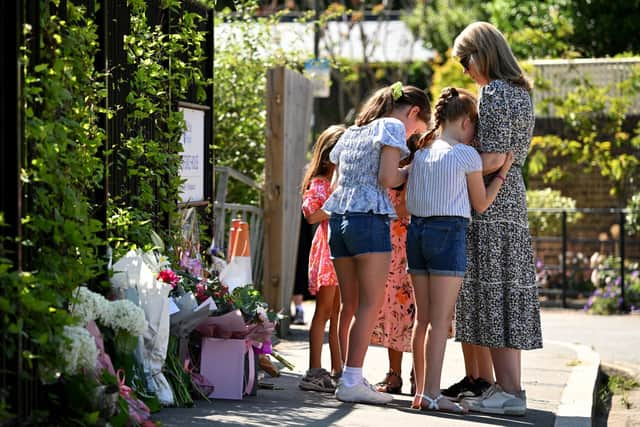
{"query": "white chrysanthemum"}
pixel 125 316
pixel 88 305
pixel 80 352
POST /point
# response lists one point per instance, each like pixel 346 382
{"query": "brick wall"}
pixel 589 190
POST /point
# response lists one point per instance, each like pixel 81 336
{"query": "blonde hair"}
pixel 452 104
pixel 381 104
pixel 491 53
pixel 320 163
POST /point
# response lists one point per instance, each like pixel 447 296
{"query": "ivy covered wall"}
pixel 99 157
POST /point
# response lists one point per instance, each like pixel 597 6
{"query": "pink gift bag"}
pixel 222 363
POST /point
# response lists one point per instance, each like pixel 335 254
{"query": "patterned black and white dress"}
pixel 498 304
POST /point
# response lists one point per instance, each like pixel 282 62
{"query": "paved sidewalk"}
pixel 559 380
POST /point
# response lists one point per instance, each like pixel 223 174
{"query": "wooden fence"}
pixel 289 107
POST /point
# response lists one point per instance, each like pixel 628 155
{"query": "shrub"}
pixel 607 297
pixel 545 222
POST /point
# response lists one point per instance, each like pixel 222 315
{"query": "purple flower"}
pixel 539 264
pixel 618 280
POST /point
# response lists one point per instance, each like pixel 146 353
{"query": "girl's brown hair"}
pixel 381 104
pixel 452 104
pixel 320 163
pixel 491 53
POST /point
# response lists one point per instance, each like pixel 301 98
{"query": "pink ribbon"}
pixel 125 390
pixel 252 367
pixel 138 411
pixel 198 380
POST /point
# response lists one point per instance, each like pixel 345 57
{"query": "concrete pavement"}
pixel 559 380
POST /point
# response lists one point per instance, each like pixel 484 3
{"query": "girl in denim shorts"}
pixel 445 182
pixel 367 160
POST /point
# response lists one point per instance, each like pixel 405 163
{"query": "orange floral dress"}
pixel 321 271
pixel 395 320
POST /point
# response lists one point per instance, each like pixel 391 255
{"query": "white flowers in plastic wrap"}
pixel 125 316
pixel 80 351
pixel 136 272
pixel 119 315
pixel 88 305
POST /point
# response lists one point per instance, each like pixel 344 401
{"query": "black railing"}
pixel 620 240
pixel 19 385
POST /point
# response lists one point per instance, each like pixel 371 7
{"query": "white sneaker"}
pixel 497 401
pixel 362 393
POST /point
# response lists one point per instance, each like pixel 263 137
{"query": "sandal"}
pixel 317 379
pixel 434 406
pixel 385 386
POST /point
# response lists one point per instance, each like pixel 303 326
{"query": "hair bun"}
pixel 450 92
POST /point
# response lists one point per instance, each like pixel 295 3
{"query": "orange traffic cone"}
pixel 238 271
pixel 233 234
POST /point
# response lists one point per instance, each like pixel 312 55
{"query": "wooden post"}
pixel 289 106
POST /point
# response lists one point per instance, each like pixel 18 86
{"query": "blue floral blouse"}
pixel 357 156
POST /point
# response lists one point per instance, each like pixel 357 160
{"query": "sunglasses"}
pixel 465 61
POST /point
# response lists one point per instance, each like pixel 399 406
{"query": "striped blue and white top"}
pixel 438 180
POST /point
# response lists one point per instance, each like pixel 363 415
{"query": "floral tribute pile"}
pixel 141 344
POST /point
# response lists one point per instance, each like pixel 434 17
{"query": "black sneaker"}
pixel 463 388
pixel 478 387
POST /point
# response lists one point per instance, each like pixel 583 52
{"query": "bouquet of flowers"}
pixel 84 349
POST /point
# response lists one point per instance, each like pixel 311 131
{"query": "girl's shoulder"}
pixel 378 125
pixel 465 148
pixel 319 181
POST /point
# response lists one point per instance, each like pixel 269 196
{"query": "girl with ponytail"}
pixel 367 158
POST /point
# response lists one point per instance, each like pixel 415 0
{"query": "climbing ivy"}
pixel 164 66
pixel 64 168
pixel 63 97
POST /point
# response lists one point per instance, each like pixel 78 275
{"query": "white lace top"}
pixel 357 156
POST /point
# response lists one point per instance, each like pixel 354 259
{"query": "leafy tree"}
pixel 438 22
pixel 596 137
pixel 544 223
pixel 604 27
pixel 243 53
pixel 450 73
pixel 534 28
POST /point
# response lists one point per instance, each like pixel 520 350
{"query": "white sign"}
pixel 192 169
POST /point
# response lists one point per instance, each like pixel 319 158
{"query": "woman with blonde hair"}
pixel 498 306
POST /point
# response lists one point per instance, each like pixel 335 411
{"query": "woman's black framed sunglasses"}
pixel 464 61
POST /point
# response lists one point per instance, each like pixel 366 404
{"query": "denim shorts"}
pixel 437 245
pixel 357 233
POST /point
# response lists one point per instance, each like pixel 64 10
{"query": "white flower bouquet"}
pixel 78 350
pixel 123 315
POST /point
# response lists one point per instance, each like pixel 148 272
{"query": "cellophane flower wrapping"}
pixel 140 270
